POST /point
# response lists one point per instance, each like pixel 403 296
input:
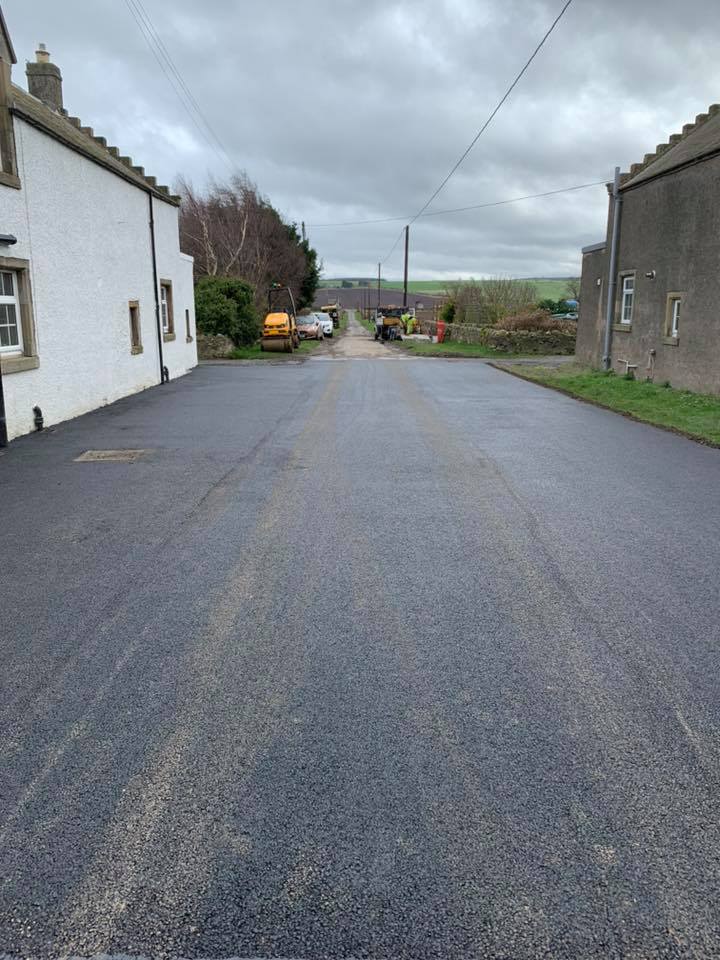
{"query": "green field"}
pixel 547 289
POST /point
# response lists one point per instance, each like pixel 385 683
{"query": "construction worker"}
pixel 378 325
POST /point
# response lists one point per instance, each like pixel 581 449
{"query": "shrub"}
pixel 550 305
pixel 447 314
pixel 486 303
pixel 226 306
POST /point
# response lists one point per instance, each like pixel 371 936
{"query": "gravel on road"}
pixel 359 659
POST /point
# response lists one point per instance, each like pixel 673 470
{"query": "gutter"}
pixel 118 168
pixel 639 180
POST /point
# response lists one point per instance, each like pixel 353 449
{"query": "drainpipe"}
pixel 163 371
pixel 612 273
pixel 3 421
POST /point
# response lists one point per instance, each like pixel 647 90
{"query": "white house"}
pixel 96 299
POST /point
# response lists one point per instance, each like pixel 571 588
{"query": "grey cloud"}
pixel 354 110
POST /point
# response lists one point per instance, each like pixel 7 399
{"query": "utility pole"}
pixel 303 231
pixel 405 281
pixel 378 302
pixel 3 421
pixel 612 271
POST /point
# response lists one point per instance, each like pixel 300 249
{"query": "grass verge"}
pixel 255 353
pixel 423 348
pixel 693 415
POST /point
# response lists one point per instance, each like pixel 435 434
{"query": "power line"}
pixel 474 206
pixel 174 78
pixel 489 120
pixel 392 248
pixel 171 63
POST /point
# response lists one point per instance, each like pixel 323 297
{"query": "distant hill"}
pixel 548 288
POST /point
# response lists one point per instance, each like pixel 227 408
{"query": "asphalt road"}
pixel 362 658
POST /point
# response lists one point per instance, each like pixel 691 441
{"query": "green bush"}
pixel 226 306
pixel 447 314
pixel 555 306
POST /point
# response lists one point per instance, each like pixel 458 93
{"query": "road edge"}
pixel 498 365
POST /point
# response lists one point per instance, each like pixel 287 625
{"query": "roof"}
pixel 70 132
pixel 5 40
pixel 593 248
pixel 698 141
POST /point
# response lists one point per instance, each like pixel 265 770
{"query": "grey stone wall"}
pixel 591 319
pixel 213 346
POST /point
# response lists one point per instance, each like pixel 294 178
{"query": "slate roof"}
pixel 697 141
pixel 69 130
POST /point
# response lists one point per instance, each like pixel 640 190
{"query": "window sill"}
pixel 168 337
pixel 135 351
pixel 9 180
pixel 18 364
pixel 188 339
pixel 622 327
pixel 671 341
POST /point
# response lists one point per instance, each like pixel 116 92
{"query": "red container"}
pixel 440 331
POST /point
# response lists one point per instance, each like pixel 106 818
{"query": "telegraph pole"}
pixel 378 302
pixel 405 281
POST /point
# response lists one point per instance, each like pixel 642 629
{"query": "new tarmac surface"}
pixel 362 657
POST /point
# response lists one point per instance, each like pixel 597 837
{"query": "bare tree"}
pixel 572 289
pixel 486 302
pixel 233 231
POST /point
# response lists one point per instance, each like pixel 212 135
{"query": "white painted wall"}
pixel 86 234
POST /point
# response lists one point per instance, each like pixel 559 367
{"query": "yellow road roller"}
pixel 280 332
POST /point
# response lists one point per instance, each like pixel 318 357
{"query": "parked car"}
pixel 310 327
pixel 326 321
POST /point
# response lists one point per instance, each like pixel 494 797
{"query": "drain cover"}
pixel 113 456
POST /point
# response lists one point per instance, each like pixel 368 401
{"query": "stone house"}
pixel 96 298
pixel 666 311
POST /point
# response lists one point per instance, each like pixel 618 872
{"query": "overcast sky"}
pixel 356 109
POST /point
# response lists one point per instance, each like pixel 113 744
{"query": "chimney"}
pixel 45 79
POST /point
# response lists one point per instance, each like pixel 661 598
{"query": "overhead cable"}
pixel 494 113
pixel 177 82
pixel 474 206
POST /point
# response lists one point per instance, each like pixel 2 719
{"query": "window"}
pixel 188 335
pixel 675 318
pixel 10 326
pixel 627 299
pixel 18 343
pixel 166 310
pixel 135 332
pixel 672 317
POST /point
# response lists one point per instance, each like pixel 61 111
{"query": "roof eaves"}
pixel 629 179
pixel 71 133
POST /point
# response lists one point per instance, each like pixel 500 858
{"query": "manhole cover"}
pixel 113 456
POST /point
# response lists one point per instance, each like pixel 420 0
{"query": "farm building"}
pixel 664 322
